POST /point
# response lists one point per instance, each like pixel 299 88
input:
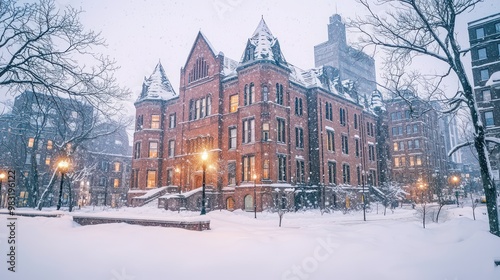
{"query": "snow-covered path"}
pixel 308 246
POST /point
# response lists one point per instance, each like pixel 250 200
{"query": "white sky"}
pixel 139 33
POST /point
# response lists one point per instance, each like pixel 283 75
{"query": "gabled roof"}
pixel 157 86
pixel 204 38
pixel 264 45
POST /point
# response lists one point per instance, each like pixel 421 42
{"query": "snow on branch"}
pixel 459 146
pixel 493 140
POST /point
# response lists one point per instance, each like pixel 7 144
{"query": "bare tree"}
pixel 408 30
pixel 47 50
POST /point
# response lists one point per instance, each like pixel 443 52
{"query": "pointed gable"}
pixel 157 86
pixel 263 46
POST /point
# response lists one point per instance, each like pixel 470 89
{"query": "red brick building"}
pixel 269 128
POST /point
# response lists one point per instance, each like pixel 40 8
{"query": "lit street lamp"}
pixel 204 157
pixel 455 180
pixel 2 176
pixel 63 166
pixel 255 196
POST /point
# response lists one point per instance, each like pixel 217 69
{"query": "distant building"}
pixel 291 136
pixel 352 64
pixel 40 132
pixel 484 39
pixel 451 139
pixel 418 143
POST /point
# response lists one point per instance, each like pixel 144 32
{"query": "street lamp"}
pixel 422 188
pixel 455 180
pixel 62 166
pixel 2 176
pixel 255 196
pixel 204 157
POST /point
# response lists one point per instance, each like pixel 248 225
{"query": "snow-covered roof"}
pixel 494 80
pixel 157 86
pixel 230 66
pixel 265 45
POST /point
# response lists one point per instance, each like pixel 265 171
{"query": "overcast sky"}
pixel 139 33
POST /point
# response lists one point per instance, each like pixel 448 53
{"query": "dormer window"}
pixel 249 53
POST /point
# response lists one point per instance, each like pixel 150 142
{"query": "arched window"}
pixel 230 203
pixel 248 203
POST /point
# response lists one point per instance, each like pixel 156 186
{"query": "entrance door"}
pixel 248 203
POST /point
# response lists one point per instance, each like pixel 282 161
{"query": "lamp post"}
pixel 204 157
pixel 63 166
pixel 255 196
pixel 455 180
pixel 2 176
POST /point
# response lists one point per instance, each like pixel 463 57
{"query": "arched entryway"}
pixel 230 203
pixel 248 203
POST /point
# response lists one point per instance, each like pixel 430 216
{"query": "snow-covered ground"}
pixel 308 246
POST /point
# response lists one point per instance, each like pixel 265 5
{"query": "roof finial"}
pixel 262 16
pixel 336 8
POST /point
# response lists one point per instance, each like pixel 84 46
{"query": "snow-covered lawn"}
pixel 308 246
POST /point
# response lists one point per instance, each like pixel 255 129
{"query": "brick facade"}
pixel 259 117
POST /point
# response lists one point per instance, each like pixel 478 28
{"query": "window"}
pixel 488 118
pixel 395 146
pixel 342 116
pixel 47 160
pixel 200 108
pixel 248 163
pixel 116 166
pixel 332 172
pixel 355 121
pixel 409 129
pixel 328 111
pixel 356 146
pixel 102 181
pixel 371 152
pixel 497 27
pixel 407 114
pixel 170 177
pixel 135 178
pixel 172 120
pixel 370 131
pixel 279 94
pixel 281 130
pixel 151 179
pixel 479 33
pixel 412 161
pixel 233 103
pixel 153 150
pixel 248 131
pixel 281 168
pixel 372 178
pixel 265 169
pixel 137 151
pixel 31 142
pixel 300 172
pixel 415 128
pixel 418 160
pixel 249 94
pixel 346 173
pixel 396 116
pixel 299 137
pixel 401 145
pixel 484 75
pixel 265 93
pixel 402 161
pixel 171 148
pixel 398 130
pixel 345 145
pixel 231 173
pixel 155 121
pixel 298 106
pixel 116 183
pixel 331 140
pixel 410 144
pixel 49 144
pixel 265 131
pixel 486 95
pixel 481 53
pixel 199 70
pixel 358 174
pixel 416 144
pixel 139 122
pixel 104 165
pixel 232 137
